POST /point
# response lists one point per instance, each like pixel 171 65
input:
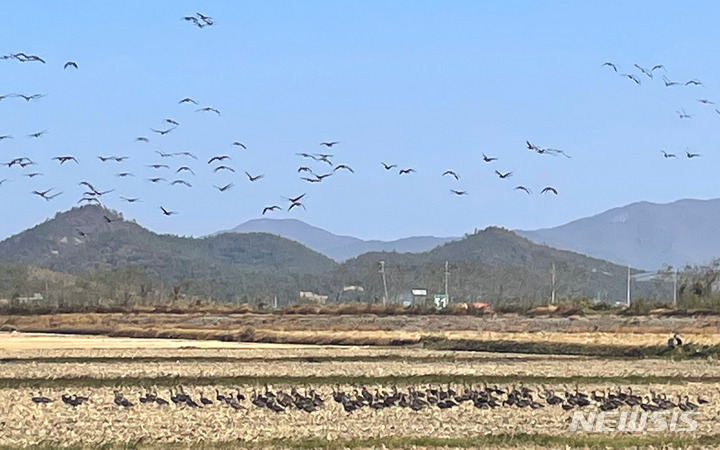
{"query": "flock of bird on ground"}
pixel 413 397
pixel 320 168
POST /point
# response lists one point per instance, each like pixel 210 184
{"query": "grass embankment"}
pixel 480 441
pixel 689 350
pixel 331 380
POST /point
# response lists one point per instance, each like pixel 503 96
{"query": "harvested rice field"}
pixel 89 391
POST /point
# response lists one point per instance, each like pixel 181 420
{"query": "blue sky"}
pixel 428 85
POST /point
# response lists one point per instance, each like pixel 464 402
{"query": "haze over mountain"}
pixel 337 247
pixel 643 234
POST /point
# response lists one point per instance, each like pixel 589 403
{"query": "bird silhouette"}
pixel 694 83
pixel 523 188
pixel 253 178
pixel 668 155
pixel 645 71
pixel 130 199
pixel 632 77
pixel 406 171
pixel 218 158
pixel 183 182
pixel 72 64
pixel 208 109
pixel 166 212
pixel 270 208
pixel 239 144
pixel 162 132
pixel 503 175
pixel 224 168
pixel 549 189
pixel 142 139
pixel 611 65
pixel 343 166
pixel 185 168
pixel 458 192
pixel 488 159
pixel 451 173
pixel 388 166
pixel 224 188
pixel 691 155
pixel 329 144
pixel 188 100
pixel 38 134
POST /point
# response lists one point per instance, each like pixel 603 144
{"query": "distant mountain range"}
pixel 339 248
pixel 644 235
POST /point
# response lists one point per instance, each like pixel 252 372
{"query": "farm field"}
pixel 105 369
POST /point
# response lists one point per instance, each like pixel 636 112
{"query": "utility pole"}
pixel 382 271
pixel 675 289
pixel 628 287
pixel 552 295
pixel 447 273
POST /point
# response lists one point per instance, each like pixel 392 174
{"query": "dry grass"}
pixel 100 420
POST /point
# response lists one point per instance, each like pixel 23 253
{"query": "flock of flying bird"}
pixel 320 168
pixel 650 74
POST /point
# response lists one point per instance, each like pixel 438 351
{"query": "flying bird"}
pixel 683 114
pixel 186 154
pixel 208 109
pixel 294 204
pixel 188 100
pixel 549 189
pixel 166 212
pixel 488 159
pixel 239 144
pixel 329 144
pixel 694 83
pixel 645 71
pixel 38 134
pixel 705 101
pixel 162 132
pixel 142 139
pixel 186 168
pixel 253 178
pixel 30 97
pixel 64 159
pixel 7 136
pixel 270 208
pixel 611 65
pixel 458 192
pixel 131 200
pixel 224 168
pixel 224 188
pixel 388 166
pixel 183 182
pixel 124 174
pixel 304 169
pixel 691 155
pixel 343 166
pixel 523 188
pixel 164 155
pixel 158 166
pixel 503 175
pixel 72 64
pixel 451 173
pixel 172 122
pixel 218 158
pixel 632 77
pixel 406 171
pixel 656 67
pixel 156 179
pixel 296 199
pixel 668 155
pixel 669 83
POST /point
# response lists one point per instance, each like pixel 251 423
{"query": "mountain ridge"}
pixel 338 247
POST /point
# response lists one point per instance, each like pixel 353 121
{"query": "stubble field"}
pixel 414 385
